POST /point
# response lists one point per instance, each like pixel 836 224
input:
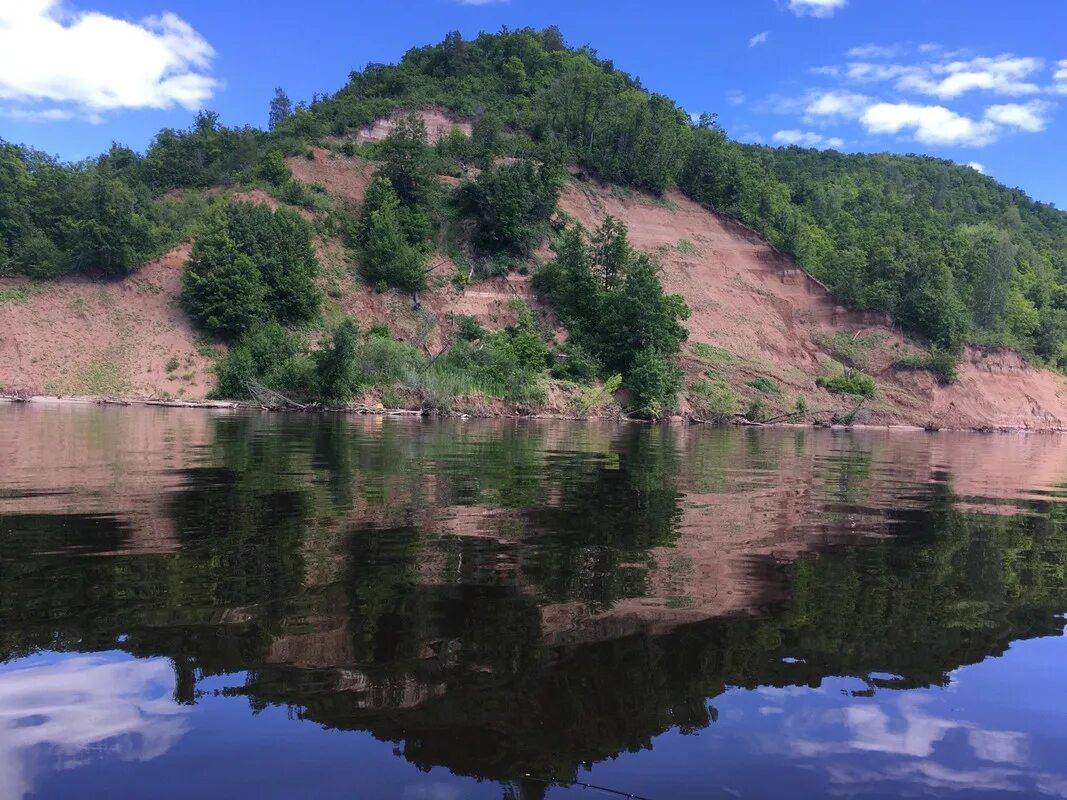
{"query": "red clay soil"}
pixel 341 176
pixel 81 336
pixel 774 320
pixel 757 312
pixel 439 122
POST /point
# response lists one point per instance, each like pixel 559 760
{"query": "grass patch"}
pixel 16 295
pixel 852 382
pixel 172 364
pixel 686 247
pixel 851 350
pixel 942 363
pixel 713 400
pixel 712 356
pixel 765 385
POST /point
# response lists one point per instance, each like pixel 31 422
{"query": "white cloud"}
pixel 977 167
pixel 759 38
pixel 1059 77
pixel 58 65
pixel 735 97
pixel 816 8
pixel 82 706
pixel 934 125
pixel 807 139
pixel 1004 74
pixel 847 105
pixel 1031 117
pixel 875 51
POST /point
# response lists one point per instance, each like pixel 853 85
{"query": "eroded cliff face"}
pixel 755 314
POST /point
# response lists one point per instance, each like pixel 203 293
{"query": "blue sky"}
pixel 978 81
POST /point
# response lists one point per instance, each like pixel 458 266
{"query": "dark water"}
pixel 200 605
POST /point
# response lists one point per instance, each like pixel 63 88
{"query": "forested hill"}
pixel 953 254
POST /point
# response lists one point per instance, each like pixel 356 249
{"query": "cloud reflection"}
pixel 64 714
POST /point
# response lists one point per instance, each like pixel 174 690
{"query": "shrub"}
pixel 940 361
pixel 272 168
pixel 572 362
pixel 765 385
pixel 756 411
pixel 249 264
pixel 852 382
pixel 266 354
pixel 172 364
pixel 713 400
pixel 389 255
pixel 654 381
pixel 511 205
pixel 336 363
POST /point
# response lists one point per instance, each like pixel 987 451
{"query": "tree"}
pixel 280 109
pixel 336 363
pixel 406 161
pixel 248 265
pixel 388 255
pixel 511 205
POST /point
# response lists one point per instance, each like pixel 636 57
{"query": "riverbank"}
pixel 481 412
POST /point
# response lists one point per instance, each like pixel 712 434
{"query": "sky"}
pixel 980 82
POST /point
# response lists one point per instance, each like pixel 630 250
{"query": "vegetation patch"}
pixel 765 385
pixel 942 363
pixel 850 349
pixel 852 382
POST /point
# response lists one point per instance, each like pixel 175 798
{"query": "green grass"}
pixel 686 247
pixel 17 295
pixel 849 349
pixel 712 356
pixel 852 382
pixel 765 385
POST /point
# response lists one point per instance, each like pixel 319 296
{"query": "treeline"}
pixel 951 253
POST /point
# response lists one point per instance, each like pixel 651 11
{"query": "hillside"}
pixel 511 225
pixel 755 314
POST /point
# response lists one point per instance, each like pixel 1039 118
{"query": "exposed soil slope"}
pixel 766 317
pixel 755 314
pixel 79 336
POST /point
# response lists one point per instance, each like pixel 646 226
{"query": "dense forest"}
pixel 951 253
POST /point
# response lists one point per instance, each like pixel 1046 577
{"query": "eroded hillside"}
pixel 755 315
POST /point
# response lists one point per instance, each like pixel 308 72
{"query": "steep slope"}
pixel 766 317
pixel 755 314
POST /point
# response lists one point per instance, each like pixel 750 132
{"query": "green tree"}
pixel 280 109
pixel 336 363
pixel 387 254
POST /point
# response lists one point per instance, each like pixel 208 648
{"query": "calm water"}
pixel 214 605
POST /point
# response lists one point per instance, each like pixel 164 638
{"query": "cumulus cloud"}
pixel 808 139
pixel 1004 74
pixel 835 104
pixel 1059 77
pixel 935 125
pixel 759 38
pixel 816 8
pixel 1031 117
pixel 57 65
pixel 875 51
pixel 977 167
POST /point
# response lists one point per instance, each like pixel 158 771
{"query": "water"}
pixel 219 605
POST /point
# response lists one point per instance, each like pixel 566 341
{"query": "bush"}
pixel 266 354
pixel 765 385
pixel 272 168
pixel 713 400
pixel 336 363
pixel 940 361
pixel 756 411
pixel 572 362
pixel 249 264
pixel 852 382
pixel 389 255
pixel 654 381
pixel 511 205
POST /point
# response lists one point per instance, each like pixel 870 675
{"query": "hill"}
pixel 805 281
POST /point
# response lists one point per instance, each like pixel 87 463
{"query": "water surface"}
pixel 223 605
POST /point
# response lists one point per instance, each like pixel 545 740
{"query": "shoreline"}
pixel 365 410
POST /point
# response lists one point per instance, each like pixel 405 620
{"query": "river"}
pixel 218 604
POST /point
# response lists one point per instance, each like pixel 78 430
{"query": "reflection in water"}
pixel 511 599
pixel 64 714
